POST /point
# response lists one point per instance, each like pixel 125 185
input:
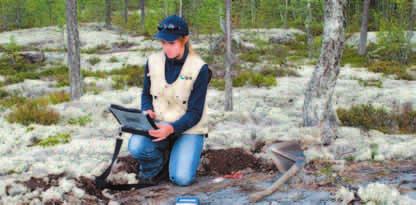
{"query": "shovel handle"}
pixel 276 185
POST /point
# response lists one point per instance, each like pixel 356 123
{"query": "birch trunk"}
pixel 73 49
pixel 228 78
pixel 362 48
pixel 318 109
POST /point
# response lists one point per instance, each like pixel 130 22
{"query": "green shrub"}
pixel 375 83
pixel 279 71
pixel 369 117
pixel 242 79
pixel 97 49
pixel 260 80
pixel 390 68
pixel 92 89
pixel 61 138
pixel 350 56
pixel 129 75
pixel 254 78
pixel 250 56
pixel 33 111
pixel 11 100
pixel 4 94
pixel 113 59
pixel 58 97
pixel 94 60
pixel 366 116
pixel 82 121
pixel 218 83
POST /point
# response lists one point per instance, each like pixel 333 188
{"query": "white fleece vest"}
pixel 170 101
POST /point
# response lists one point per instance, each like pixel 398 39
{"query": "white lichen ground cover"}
pixel 259 114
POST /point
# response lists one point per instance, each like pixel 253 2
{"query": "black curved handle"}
pixel 151 121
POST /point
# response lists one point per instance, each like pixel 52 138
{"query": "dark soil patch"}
pixel 54 202
pixel 127 164
pixel 52 180
pixel 258 146
pixel 88 185
pixel 226 161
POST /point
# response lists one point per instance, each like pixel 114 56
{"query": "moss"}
pixel 82 121
pixel 61 138
pixel 33 111
pixel 326 169
pixel 94 60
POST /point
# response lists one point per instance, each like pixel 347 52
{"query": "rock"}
pixel 282 39
pixel 33 56
pixel 16 189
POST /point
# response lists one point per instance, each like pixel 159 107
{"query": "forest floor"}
pixel 362 165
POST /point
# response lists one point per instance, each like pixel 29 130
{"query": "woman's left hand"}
pixel 165 129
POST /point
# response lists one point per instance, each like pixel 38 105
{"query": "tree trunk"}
pixel 180 8
pixel 286 11
pixel 253 11
pixel 318 109
pixel 73 49
pixel 108 14
pixel 126 11
pixel 362 48
pixel 228 63
pixel 49 5
pixel 165 6
pixel 142 15
pixel 409 35
pixel 308 23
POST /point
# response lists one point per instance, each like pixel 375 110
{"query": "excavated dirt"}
pixel 226 161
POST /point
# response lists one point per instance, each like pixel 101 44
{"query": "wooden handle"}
pixel 261 194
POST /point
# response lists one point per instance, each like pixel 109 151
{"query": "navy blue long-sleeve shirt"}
pixel 196 99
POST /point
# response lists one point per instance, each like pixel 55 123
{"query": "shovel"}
pixel 289 159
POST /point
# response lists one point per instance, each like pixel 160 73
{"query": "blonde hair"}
pixel 190 49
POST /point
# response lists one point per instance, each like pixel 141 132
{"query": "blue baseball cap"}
pixel 171 28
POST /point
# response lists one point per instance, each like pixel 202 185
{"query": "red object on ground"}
pixel 234 175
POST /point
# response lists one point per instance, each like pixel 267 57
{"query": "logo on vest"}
pixel 182 77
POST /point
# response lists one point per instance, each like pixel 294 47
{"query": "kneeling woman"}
pixel 174 92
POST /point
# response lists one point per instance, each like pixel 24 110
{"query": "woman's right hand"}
pixel 151 113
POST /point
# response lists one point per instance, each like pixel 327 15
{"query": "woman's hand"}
pixel 151 114
pixel 165 129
